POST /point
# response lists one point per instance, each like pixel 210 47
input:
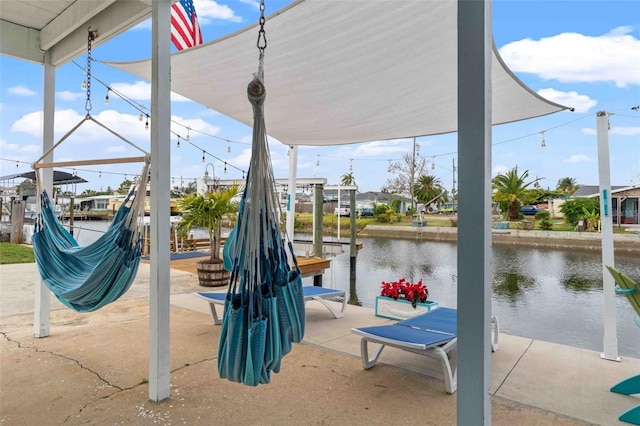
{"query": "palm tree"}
pixel 511 189
pixel 427 188
pixel 347 179
pixel 567 185
pixel 207 211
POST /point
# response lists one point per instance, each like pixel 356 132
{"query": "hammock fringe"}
pixel 264 309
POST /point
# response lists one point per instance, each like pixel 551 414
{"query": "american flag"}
pixel 185 30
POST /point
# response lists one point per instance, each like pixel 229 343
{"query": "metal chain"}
pixel 262 38
pixel 90 37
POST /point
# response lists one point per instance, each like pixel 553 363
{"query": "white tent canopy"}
pixel 346 72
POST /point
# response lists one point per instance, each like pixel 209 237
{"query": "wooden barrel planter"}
pixel 212 274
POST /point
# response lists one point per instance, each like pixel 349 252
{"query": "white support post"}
pixel 610 351
pixel 474 212
pixel 42 309
pixel 339 211
pixel 291 192
pixel 159 372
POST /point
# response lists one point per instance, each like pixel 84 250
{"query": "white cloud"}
pixel 30 124
pixel 66 95
pixel 253 3
pixel 499 169
pixel 625 131
pixel 581 103
pixel 196 125
pixel 209 10
pixel 576 58
pixel 116 149
pixel 126 125
pixel 376 148
pixel 141 91
pixel 17 149
pixel 8 147
pixel 578 158
pixel 615 130
pixel 21 91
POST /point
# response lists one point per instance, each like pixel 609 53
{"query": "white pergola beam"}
pixel 42 296
pixel 20 42
pixel 159 291
pixel 111 21
pixel 71 19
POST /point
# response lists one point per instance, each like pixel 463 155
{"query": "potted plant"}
pixel 207 211
pixel 402 299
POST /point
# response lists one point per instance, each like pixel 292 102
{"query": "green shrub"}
pixel 545 225
pixel 573 210
pixel 542 215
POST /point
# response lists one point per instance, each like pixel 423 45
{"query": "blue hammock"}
pixel 264 306
pixel 85 278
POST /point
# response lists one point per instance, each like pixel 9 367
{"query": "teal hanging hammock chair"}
pixel 264 306
pixel 86 278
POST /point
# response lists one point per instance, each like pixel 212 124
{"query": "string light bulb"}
pixel 188 138
pixel 350 164
pixel 178 144
pixel 106 97
pixel 99 175
pixel 146 124
pixel 243 174
pixel 203 160
pixel 543 143
pixel 140 117
pixel 228 147
pixel 318 161
pixel 225 167
pixel 84 84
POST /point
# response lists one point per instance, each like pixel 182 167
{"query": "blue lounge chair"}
pixel 629 288
pixel 433 334
pixel 320 294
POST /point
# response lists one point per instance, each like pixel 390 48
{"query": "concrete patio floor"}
pixel 93 368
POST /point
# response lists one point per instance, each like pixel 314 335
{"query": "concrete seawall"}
pixel 623 243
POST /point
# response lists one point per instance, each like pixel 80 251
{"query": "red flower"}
pixel 414 293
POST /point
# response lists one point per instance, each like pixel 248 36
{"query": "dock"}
pixel 309 266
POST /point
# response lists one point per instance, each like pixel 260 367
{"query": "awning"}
pixel 59 177
pixel 346 72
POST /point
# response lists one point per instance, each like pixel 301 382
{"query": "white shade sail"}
pixel 344 72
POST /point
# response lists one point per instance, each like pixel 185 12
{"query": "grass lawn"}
pixel 16 253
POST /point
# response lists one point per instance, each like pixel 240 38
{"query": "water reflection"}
pixel 544 294
pixel 511 287
pixel 577 283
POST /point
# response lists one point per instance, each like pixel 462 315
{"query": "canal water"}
pixel 550 295
pixel 544 294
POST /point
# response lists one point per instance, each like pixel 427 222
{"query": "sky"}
pixel 583 54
